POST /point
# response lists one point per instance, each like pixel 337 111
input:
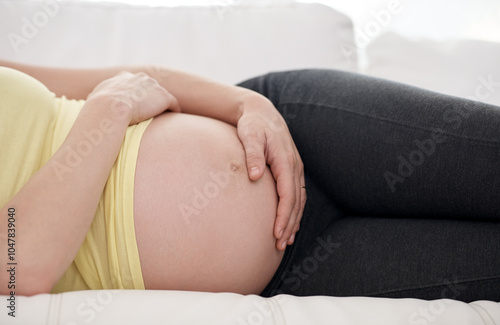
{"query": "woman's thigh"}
pixel 380 148
pixel 340 255
pixel 381 160
pixel 399 258
pixel 200 223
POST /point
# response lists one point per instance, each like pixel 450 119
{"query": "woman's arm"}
pixel 196 95
pixel 261 129
pixel 55 209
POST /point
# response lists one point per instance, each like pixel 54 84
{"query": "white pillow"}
pixel 463 68
pixel 228 43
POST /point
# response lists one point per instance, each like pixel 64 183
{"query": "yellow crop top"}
pixel 33 125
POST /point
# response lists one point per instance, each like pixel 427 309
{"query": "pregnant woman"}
pixel 114 192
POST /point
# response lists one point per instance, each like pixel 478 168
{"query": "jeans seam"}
pixel 488 142
pixel 485 278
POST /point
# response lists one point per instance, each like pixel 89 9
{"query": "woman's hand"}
pixel 135 95
pixel 266 139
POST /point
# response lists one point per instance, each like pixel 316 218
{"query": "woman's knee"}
pixel 293 85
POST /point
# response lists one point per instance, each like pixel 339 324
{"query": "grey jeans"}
pixel 403 189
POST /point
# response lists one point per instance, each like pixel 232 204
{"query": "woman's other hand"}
pixel 266 139
pixel 135 95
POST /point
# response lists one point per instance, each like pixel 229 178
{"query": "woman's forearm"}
pixel 55 209
pixel 251 112
pixel 201 96
pixel 196 95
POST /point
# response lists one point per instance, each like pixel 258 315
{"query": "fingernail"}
pixel 280 233
pixel 283 244
pixel 292 238
pixel 254 171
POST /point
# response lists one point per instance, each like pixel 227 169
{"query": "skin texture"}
pixel 200 223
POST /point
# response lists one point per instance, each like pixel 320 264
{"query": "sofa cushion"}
pixel 228 43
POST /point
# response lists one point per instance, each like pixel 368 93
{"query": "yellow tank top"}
pixel 33 125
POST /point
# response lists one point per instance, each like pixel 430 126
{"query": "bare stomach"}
pixel 200 223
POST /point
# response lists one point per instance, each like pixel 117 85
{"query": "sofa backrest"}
pixel 229 41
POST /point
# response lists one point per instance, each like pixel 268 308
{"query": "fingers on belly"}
pixel 201 223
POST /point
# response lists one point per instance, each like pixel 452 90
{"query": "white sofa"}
pixel 229 42
pixel 105 307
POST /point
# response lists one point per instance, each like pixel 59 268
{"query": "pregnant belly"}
pixel 200 223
